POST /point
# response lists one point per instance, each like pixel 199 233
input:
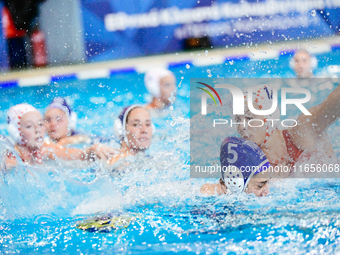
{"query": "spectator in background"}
pixel 161 84
pixel 303 64
pixel 60 122
pixel 20 26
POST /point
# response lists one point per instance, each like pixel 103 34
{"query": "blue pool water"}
pixel 39 213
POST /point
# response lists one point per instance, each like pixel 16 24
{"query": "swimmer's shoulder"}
pixel 214 189
pixel 75 139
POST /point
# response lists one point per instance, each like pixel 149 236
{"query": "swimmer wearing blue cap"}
pixel 240 160
pixel 60 123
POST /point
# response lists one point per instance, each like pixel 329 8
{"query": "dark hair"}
pixel 128 115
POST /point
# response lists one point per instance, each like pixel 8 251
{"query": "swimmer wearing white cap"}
pixel 26 128
pixel 161 84
pixel 303 63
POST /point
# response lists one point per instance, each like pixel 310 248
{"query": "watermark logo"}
pixel 209 93
pixel 239 97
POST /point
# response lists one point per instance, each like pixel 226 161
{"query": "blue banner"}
pixel 3 45
pixel 120 29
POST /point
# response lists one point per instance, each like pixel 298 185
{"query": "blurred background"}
pixel 38 33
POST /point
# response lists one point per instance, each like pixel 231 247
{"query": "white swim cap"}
pixel 153 78
pixel 14 116
pixel 313 59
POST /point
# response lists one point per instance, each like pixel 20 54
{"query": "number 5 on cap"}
pixel 233 152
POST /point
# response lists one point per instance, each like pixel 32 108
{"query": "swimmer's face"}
pixel 167 86
pixel 302 65
pixel 258 186
pixel 32 130
pixel 254 134
pixel 56 123
pixel 139 129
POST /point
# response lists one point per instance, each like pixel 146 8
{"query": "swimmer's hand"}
pixel 214 189
pixel 100 151
pixel 54 151
pixel 10 161
pixel 208 189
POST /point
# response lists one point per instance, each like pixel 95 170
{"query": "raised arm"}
pixel 323 115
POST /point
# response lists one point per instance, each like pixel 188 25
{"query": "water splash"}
pixel 27 191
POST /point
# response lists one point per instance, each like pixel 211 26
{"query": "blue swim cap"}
pixel 61 104
pixel 240 161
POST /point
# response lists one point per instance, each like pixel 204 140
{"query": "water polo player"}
pixel 284 147
pixel 303 63
pixel 241 160
pixel 60 122
pixel 161 84
pixel 26 127
pixel 134 129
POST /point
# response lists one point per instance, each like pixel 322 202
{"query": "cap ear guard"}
pixel 152 86
pixel 14 133
pixel 240 161
pixel 233 179
pixel 314 62
pixel 73 121
pixel 118 129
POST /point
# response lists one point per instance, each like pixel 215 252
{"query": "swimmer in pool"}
pixel 60 122
pixel 303 64
pixel 26 127
pixel 284 147
pixel 236 155
pixel 161 84
pixel 134 129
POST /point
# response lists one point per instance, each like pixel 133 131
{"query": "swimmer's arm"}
pixel 55 150
pixel 74 139
pixel 208 189
pixel 10 161
pixel 101 151
pixel 116 157
pixel 323 115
